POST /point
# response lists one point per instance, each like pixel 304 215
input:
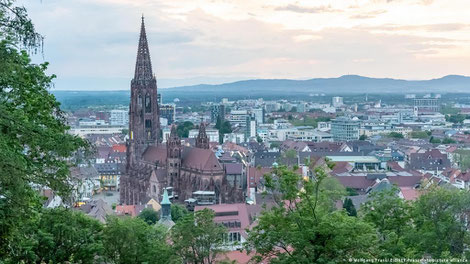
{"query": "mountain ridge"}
pixel 342 84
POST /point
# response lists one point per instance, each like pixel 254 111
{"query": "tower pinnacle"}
pixel 143 66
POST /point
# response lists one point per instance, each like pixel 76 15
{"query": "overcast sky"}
pixel 92 44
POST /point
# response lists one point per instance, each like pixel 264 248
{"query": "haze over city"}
pixel 92 42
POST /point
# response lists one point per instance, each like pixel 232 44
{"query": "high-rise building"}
pixel 250 128
pixel 217 111
pixel 119 118
pixel 168 111
pixel 259 115
pixel 337 101
pixel 345 129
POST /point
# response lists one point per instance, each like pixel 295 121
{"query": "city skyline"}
pixel 211 42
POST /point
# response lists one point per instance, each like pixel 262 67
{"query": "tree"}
pixel 349 206
pixel 289 158
pixel 395 135
pixel 178 212
pixel 351 191
pixel 448 140
pixel 390 214
pixel 34 143
pixel 259 139
pixel 304 225
pixel 60 235
pixel 363 137
pixel 224 127
pixel 183 129
pixel 419 134
pixel 197 239
pixel 131 240
pixel 434 140
pixel 149 216
pixel 439 217
pixel 456 119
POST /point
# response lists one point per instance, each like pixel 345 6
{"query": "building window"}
pixel 148 104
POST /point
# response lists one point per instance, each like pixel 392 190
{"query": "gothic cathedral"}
pixel 152 166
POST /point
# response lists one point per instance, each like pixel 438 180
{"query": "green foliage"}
pixel 125 131
pixel 131 240
pixel 34 143
pixel 224 127
pixel 183 129
pixel 390 215
pixel 288 158
pixel 304 226
pixel 149 216
pixel 16 27
pixel 309 121
pixel 434 140
pixel 448 140
pixel 440 222
pixel 259 139
pixel 349 206
pixel 351 191
pixel 178 212
pixel 57 236
pixel 463 158
pixel 419 134
pixel 449 110
pixel 363 137
pixel 395 135
pixel 456 119
pixel 196 238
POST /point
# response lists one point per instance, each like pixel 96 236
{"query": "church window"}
pixel 154 189
pixel 148 124
pixel 148 104
pixel 139 100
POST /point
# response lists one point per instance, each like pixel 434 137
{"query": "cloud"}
pixel 370 14
pixel 303 9
pixel 95 41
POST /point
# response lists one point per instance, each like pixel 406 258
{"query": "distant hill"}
pixel 343 84
pixel 274 89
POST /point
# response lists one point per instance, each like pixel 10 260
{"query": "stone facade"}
pixel 152 166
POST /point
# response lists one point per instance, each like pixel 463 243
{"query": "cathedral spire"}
pixel 202 141
pixel 143 65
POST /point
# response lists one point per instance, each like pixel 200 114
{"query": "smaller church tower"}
pixel 202 141
pixel 173 148
pixel 165 217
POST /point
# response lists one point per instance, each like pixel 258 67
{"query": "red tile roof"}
pixel 409 193
pixel 119 148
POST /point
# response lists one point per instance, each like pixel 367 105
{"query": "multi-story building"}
pixel 272 106
pixel 168 111
pixel 250 127
pixel 337 101
pixel 212 134
pixel 259 115
pixel 238 117
pixel 427 104
pixel 217 111
pixel 345 129
pixel 119 117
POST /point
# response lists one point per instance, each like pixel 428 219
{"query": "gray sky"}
pixel 92 44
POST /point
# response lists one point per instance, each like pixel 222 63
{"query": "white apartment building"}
pixel 212 134
pixel 119 118
pixel 238 117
